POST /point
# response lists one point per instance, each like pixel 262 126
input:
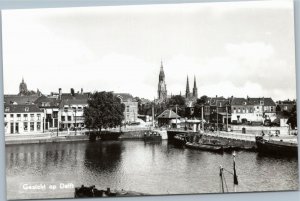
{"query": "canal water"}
pixel 152 168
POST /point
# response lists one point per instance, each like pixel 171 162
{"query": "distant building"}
pixel 219 108
pixel 23 91
pixel 131 107
pixel 71 109
pixel 167 118
pixel 162 87
pixel 22 119
pixel 286 105
pixel 50 106
pixel 191 97
pixel 252 110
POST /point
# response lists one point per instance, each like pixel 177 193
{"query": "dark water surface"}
pixel 153 168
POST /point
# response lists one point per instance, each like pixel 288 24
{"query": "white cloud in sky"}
pixel 233 48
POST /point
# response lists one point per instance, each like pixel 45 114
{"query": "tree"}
pixel 293 118
pixel 176 100
pixel 202 100
pixel 104 111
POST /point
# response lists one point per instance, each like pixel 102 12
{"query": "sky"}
pixel 232 48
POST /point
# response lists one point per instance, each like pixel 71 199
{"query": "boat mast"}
pixel 235 180
pixel 202 118
pixel 221 177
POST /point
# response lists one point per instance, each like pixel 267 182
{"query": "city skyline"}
pixel 112 49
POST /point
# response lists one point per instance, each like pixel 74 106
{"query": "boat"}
pixel 92 191
pixel 205 147
pixel 180 139
pixel 274 147
pixel 152 136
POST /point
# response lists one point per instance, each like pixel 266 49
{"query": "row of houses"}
pixel 242 110
pixel 58 111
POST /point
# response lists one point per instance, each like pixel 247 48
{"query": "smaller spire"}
pixel 195 84
pixel 22 79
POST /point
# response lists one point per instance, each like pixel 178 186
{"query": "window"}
pixel 243 110
pixel 239 110
pixel 25 116
pixel 4 115
pixel 26 109
pixel 251 110
pixel 7 109
pixel 261 102
pixel 25 126
pixel 31 117
pixel 127 108
pixel 12 115
pixel 38 126
pixel 257 107
pixel 69 118
pixel 38 116
pixel 19 117
pixel 31 126
pixel 63 118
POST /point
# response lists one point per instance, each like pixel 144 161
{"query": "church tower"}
pixel 195 90
pixel 187 91
pixel 23 88
pixel 162 87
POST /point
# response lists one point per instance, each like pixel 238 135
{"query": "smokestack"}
pixel 59 93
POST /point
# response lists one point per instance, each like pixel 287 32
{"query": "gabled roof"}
pixel 73 102
pixel 21 109
pixel 239 101
pixel 168 114
pixel 51 101
pixel 69 96
pixel 18 99
pixel 256 101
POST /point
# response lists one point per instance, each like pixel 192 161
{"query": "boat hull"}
pixel 276 148
pixel 204 147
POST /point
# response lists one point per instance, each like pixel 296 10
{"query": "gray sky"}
pixel 235 48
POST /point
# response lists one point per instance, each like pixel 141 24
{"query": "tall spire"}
pixel 187 91
pixel 195 90
pixel 161 73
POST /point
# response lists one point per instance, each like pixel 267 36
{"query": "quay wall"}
pixel 257 130
pixel 38 140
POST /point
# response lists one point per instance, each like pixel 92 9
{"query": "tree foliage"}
pixel 292 120
pixel 104 111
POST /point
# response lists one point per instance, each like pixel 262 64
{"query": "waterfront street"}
pixel 165 168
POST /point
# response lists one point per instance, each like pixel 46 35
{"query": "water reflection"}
pixel 155 168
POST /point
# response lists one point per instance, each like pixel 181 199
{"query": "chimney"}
pixel 59 93
pixel 81 90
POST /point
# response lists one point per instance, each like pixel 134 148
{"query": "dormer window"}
pixel 26 109
pixel 261 102
pixel 245 103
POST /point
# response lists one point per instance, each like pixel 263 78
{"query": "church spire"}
pixel 161 73
pixel 195 90
pixel 187 91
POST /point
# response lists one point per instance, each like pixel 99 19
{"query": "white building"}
pixel 252 110
pixel 131 107
pixel 23 119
